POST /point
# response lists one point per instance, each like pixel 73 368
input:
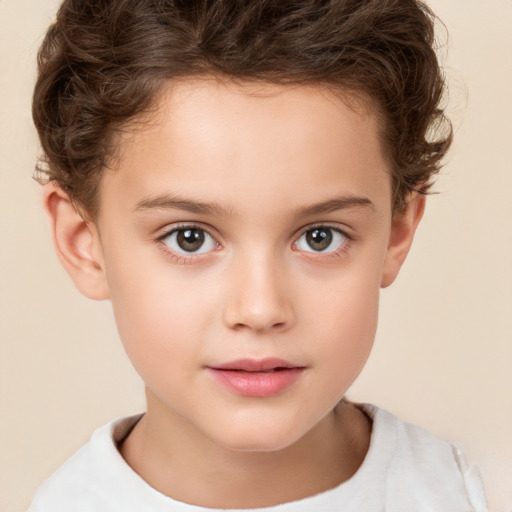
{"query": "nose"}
pixel 258 296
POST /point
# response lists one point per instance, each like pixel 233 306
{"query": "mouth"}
pixel 257 378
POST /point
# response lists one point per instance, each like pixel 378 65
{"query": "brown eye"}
pixel 321 239
pixel 189 241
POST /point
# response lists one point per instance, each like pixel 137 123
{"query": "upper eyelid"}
pixel 327 225
pixel 167 230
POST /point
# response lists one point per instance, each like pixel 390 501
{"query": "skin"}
pixel 271 162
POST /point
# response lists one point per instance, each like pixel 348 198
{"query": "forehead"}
pixel 237 140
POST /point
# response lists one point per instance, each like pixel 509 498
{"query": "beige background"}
pixel 443 356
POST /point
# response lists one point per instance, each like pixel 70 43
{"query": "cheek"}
pixel 354 311
pixel 158 318
pixel 350 347
pixel 346 315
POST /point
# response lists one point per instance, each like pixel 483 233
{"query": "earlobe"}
pixel 76 242
pixel 403 228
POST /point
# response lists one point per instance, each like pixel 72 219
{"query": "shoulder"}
pixel 90 477
pixel 421 468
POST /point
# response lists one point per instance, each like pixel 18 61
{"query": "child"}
pixel 240 178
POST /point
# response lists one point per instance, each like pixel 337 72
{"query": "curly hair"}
pixel 103 62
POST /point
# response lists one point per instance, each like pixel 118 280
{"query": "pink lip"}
pixel 257 378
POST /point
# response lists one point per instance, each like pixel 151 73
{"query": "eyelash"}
pixel 186 259
pixel 179 257
pixel 344 248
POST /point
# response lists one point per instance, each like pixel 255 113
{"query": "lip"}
pixel 257 377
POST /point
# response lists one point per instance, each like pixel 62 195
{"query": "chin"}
pixel 258 437
pixel 259 445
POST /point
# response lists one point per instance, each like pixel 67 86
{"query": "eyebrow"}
pixel 172 202
pixel 338 203
pixel 167 201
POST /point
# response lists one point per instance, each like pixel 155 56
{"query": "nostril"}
pixel 278 326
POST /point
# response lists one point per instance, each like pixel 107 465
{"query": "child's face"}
pixel 247 225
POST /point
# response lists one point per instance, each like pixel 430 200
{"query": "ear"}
pixel 77 243
pixel 403 228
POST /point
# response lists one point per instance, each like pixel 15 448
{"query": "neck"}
pixel 179 461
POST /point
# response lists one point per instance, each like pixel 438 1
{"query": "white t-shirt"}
pixel 406 469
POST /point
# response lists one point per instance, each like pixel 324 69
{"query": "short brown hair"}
pixel 103 62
